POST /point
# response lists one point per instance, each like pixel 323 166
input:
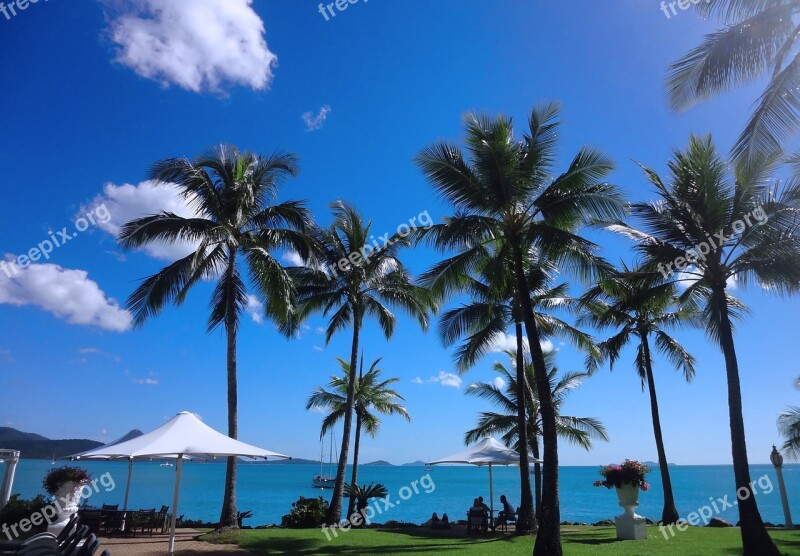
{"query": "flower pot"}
pixel 630 526
pixel 65 500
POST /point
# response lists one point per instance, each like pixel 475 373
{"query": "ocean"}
pixel 269 490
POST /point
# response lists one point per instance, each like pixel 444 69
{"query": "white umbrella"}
pixel 487 452
pixel 183 435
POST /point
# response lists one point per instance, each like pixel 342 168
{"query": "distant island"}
pixel 378 463
pixel 35 446
pixel 654 464
pixel 417 463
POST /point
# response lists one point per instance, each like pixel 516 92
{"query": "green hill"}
pixel 35 446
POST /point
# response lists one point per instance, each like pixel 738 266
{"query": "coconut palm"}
pixel 234 226
pixel 363 494
pixel 505 198
pixel 759 39
pixel 348 281
pixel 372 396
pixel 578 430
pixel 486 318
pixel 643 313
pixel 715 229
pixel 789 426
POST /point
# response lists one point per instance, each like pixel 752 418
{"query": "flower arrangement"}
pixel 59 476
pixel 631 472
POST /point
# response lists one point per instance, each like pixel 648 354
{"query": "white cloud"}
pixel 87 351
pixel 319 330
pixel 318 410
pixel 292 258
pixel 446 379
pixel 127 202
pixel 68 294
pixel 255 309
pixel 499 383
pixel 316 121
pixel 202 45
pixel 145 381
pixel 319 348
pixel 505 342
pixel 417 380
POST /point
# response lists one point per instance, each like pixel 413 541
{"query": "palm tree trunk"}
pixel 229 515
pixel 669 514
pixel 755 539
pixel 537 476
pixel 351 506
pixel 525 518
pixel 548 539
pixel 334 516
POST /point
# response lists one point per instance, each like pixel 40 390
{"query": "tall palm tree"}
pixel 759 39
pixel 789 426
pixel 504 196
pixel 730 228
pixel 642 312
pixel 578 430
pixel 235 226
pixel 493 308
pixel 349 288
pixel 372 396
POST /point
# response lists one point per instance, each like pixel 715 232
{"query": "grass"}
pixel 578 541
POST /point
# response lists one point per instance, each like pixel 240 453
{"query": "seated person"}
pixel 507 512
pixel 445 522
pixel 479 508
pixel 486 509
pixel 434 521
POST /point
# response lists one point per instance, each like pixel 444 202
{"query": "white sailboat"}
pixel 322 480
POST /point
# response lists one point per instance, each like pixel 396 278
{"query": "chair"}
pixel 93 519
pixel 145 521
pixel 506 519
pixel 111 518
pixel 70 546
pixel 89 547
pixel 476 520
pixel 163 519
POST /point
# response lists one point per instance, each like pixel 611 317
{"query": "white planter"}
pixel 630 526
pixel 66 502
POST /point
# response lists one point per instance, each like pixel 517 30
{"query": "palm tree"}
pixel 578 430
pixel 759 39
pixel 505 198
pixel 349 283
pixel 371 395
pixel 641 312
pixel 231 192
pixel 492 310
pixel 736 228
pixel 789 426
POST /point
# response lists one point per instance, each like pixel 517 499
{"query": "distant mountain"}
pixel 293 461
pixel 35 446
pixel 417 463
pixel 654 464
pixel 378 463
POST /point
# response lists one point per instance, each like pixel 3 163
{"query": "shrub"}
pixel 62 475
pixel 18 509
pixel 306 513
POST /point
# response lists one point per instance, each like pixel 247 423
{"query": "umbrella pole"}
pixel 178 468
pixel 127 492
pixel 491 494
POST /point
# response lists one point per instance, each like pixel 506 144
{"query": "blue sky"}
pixel 87 107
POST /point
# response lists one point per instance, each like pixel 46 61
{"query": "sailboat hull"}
pixel 323 482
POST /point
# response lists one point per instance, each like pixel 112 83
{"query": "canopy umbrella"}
pixel 183 435
pixel 487 452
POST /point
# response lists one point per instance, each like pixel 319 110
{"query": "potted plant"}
pixel 627 479
pixel 64 484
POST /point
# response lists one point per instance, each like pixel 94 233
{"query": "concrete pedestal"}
pixel 631 528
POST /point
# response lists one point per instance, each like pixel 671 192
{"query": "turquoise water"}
pixel 269 490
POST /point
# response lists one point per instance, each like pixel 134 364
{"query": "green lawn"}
pixel 578 541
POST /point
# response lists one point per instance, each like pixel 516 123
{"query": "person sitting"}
pixel 478 515
pixel 434 522
pixel 445 522
pixel 486 509
pixel 507 513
